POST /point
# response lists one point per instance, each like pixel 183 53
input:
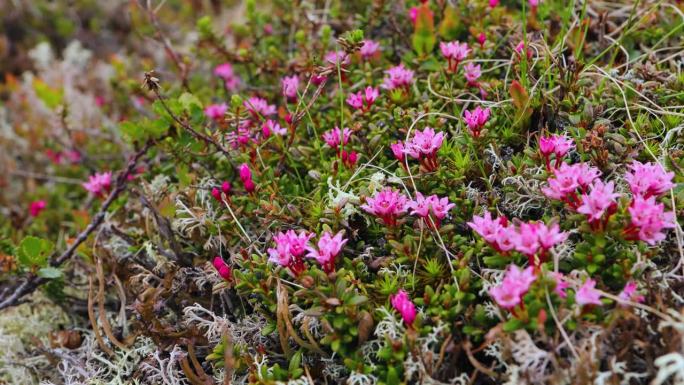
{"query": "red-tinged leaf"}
pixel 519 95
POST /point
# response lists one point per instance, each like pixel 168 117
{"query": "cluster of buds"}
pixel 246 177
pixel 99 184
pixel 337 138
pixel 217 193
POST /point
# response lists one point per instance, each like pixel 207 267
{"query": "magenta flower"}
pixel 559 145
pixel 476 120
pixel 398 151
pixel 224 71
pixel 387 204
pixel 246 176
pixel 513 287
pixel 424 146
pixel 601 199
pixel 455 52
pixel 36 207
pixel 329 247
pixel 567 180
pixel 534 239
pixel 272 127
pixel 649 219
pixel 349 159
pixel 648 179
pixel 493 3
pixel 527 240
pixel 587 294
pixel 425 206
pixel 215 111
pixel 290 85
pixel 99 184
pixel 370 94
pixel 222 268
pixel 482 38
pixel 520 47
pixel 472 72
pixel 629 293
pixel 335 57
pixel 334 137
pixel 533 4
pixel 355 100
pixel 402 303
pixel 495 231
pixel 550 236
pixel 259 107
pixel 561 284
pixel 363 100
pixel 369 49
pixel 290 248
pixel 398 77
pixel 318 79
pixel 420 206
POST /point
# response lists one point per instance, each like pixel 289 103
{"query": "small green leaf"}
pixel 49 272
pixel 33 251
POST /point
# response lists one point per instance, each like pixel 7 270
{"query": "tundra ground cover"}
pixel 360 192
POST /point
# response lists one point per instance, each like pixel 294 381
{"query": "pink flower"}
pixel 424 146
pixel 567 179
pixel 648 220
pixel 521 47
pixel 629 293
pixel 455 52
pixel 398 77
pixel 259 107
pixel 245 172
pixel 587 294
pixel 413 14
pixel 334 137
pixel 355 100
pixel 99 184
pixel 328 248
pixel 559 145
pixel 423 207
pixel 272 127
pixel 476 120
pixel 36 207
pixel 515 285
pixel 648 179
pixel 402 303
pixel 226 187
pixel 495 231
pixel 420 206
pixel 440 206
pixel 369 49
pixel 225 72
pixel 527 239
pixel 370 94
pixel 561 284
pixel 290 84
pixel 482 38
pixel 493 3
pixel 387 204
pixel 349 159
pixel 472 72
pixel 363 100
pixel 550 236
pixel 215 111
pixel 335 57
pixel 222 268
pixel 534 3
pixel 534 239
pixel 398 151
pixel 318 79
pixel 290 248
pixel 601 199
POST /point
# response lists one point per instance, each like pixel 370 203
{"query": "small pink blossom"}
pixel 598 201
pixel 520 47
pixel 329 247
pixel 99 184
pixel 222 268
pixel 36 207
pixel 587 294
pixel 225 71
pixel 472 72
pixel 433 205
pixel 335 57
pixel 259 107
pixel 350 158
pixel 334 137
pixel 424 144
pixel 387 204
pixel 289 250
pixel 398 77
pixel 318 79
pixel 629 293
pixel 482 38
pixel 513 287
pixel 369 49
pixel 413 14
pixel 272 127
pixel 245 172
pixel 455 52
pixel 649 219
pixel 216 111
pixel 533 4
pixel 355 100
pixel 568 179
pixel 648 179
pixel 476 120
pixel 493 3
pixel 561 284
pixel 363 100
pixel 290 85
pixel 496 232
pixel 398 151
pixel 402 303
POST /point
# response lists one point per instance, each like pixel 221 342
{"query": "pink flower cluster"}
pixel 289 250
pixel 387 204
pixel 533 239
pixel 337 136
pixel 516 283
pixel 402 303
pixel 430 207
pixel 363 100
pixel 649 219
pixel 587 294
pixel 567 180
pixel 290 86
pixel 648 179
pixel 216 111
pixel 398 77
pixel 629 293
pixel 558 145
pixel 472 72
pixel 599 204
pixel 99 184
pixel 222 268
pixel 259 108
pixel 272 127
pixel 225 72
pixel 423 146
pixel 329 247
pixel 335 57
pixel 246 177
pixel 476 120
pixel 225 189
pixel 455 52
pixel 369 49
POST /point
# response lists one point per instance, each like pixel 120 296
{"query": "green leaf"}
pixel 33 251
pixel 49 272
pixel 187 100
pixel 357 300
pixel 512 325
pixel 52 97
